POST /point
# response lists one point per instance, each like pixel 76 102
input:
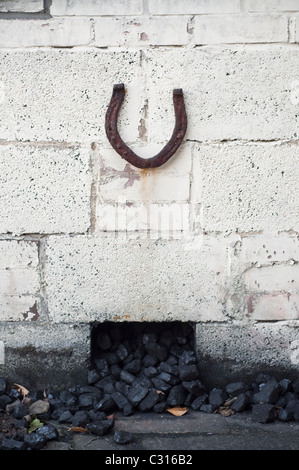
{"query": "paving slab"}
pixel 193 431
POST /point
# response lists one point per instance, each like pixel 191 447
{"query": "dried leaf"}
pixel 230 401
pixel 110 417
pixel 159 392
pixel 226 411
pixel 77 429
pixel 177 410
pixel 22 390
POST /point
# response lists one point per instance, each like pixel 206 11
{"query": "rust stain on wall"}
pixel 121 317
pixel 131 174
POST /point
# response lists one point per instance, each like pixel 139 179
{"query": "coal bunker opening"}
pixel 144 366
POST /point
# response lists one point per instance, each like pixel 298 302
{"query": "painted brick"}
pixel 248 187
pixel 98 279
pixel 150 185
pixel 119 182
pixel 62 95
pixel 178 7
pixel 143 31
pixel 269 248
pixel 121 217
pixel 19 307
pixel 180 163
pixel 96 7
pixel 274 5
pixel 169 221
pixel 236 92
pixel 18 254
pixel 44 189
pixel 62 32
pixel 240 29
pixel 19 283
pixel 19 280
pixel 274 278
pixel 21 6
pixel 135 185
pixel 273 307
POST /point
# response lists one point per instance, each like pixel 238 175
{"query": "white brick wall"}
pixel 136 280
pixel 57 32
pixel 177 7
pixel 57 95
pixel 139 23
pixel 270 266
pixel 273 5
pixel 240 29
pixel 211 236
pixel 44 189
pixel 273 278
pixel 248 186
pixel 268 248
pixel 237 92
pixel 96 7
pixel 143 31
pixel 62 95
pixel 21 6
pixel 273 306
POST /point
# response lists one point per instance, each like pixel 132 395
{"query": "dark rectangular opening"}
pixel 145 365
pixel 106 337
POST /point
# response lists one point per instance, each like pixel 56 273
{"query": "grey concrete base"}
pixel 47 355
pixel 233 352
pixel 192 431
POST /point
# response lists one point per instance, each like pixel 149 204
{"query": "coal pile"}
pixel 156 369
pixel 152 369
pixel 148 369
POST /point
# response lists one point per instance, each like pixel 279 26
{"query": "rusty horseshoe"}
pixel 124 151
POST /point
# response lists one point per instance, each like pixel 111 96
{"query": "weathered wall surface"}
pixel 211 237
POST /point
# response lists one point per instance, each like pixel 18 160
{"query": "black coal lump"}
pixel 217 396
pixel 177 395
pixel 263 413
